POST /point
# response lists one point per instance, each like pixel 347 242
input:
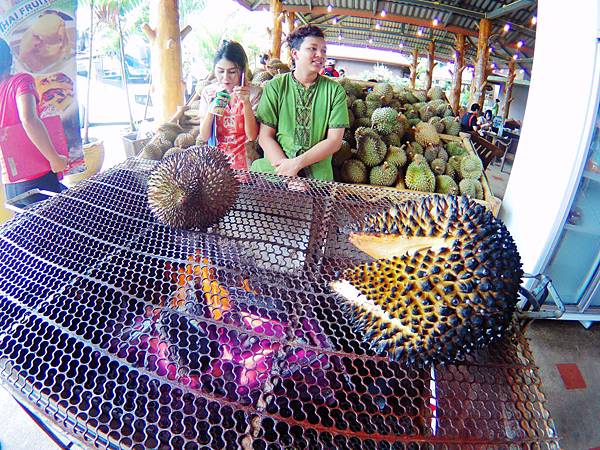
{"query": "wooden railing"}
pixel 485 149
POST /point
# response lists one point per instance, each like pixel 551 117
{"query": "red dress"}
pixel 231 133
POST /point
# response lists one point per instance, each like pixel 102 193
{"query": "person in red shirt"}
pixel 19 103
pixel 329 70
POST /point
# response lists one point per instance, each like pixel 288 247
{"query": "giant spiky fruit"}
pixel 444 184
pixel 445 280
pixel 471 167
pixel 385 91
pixel 436 93
pixel 344 153
pixel 396 156
pixel 354 171
pixel 426 134
pixel 451 126
pixel 384 120
pixel 261 78
pixel 419 176
pixel 152 152
pixel 471 188
pixel 169 131
pixel 192 189
pixel 455 149
pixel 383 175
pixel 359 107
pixel 185 140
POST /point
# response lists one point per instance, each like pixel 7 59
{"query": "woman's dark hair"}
pixel 488 114
pixel 5 57
pixel 234 52
pixel 475 107
pixel 296 37
pixel 264 58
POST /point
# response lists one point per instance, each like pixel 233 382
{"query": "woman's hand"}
pixel 243 93
pixel 59 163
pixel 287 167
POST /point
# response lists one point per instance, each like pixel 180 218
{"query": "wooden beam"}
pixel 277 13
pixel 389 17
pixel 430 65
pixel 167 77
pixel 508 87
pixel 506 9
pixel 413 67
pixel 459 67
pixel 481 65
pixel 291 19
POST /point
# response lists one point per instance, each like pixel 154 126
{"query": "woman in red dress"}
pixel 236 124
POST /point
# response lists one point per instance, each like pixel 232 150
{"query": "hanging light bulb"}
pixel 383 13
pixel 334 20
pixel 534 20
pixel 340 37
pixel 521 71
pixel 329 8
pixel 419 32
pixel 378 26
pixel 435 22
pixel 493 66
pixel 490 49
pixel 401 45
pixel 515 56
pixel 520 44
pixel 370 40
pixel 506 28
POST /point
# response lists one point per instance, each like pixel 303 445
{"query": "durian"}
pixel 471 188
pixel 354 171
pixel 384 91
pixel 344 153
pixel 444 184
pixel 451 126
pixel 185 140
pixel 455 149
pixel 392 139
pixel 435 93
pixel 359 107
pixel 396 156
pixel 425 134
pixel 438 166
pixel 471 167
pixel 383 175
pixel 172 151
pixel 419 176
pixel 192 189
pixel 384 120
pixel 169 131
pixel 445 280
pixel 152 152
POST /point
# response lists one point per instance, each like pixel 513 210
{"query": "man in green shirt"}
pixel 302 114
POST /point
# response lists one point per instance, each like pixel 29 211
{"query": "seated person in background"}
pixel 342 73
pixel 302 114
pixel 329 70
pixel 495 108
pixel 236 125
pixel 468 122
pixel 19 104
pixel 485 122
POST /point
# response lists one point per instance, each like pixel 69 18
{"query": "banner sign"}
pixel 43 37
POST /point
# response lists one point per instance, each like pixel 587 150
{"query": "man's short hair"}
pixel 296 37
pixel 475 107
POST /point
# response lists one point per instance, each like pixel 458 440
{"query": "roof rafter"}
pixel 506 9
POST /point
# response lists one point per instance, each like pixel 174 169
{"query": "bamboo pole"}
pixel 430 65
pixel 481 65
pixel 459 67
pixel 508 88
pixel 278 15
pixel 167 76
pixel 291 20
pixel 413 67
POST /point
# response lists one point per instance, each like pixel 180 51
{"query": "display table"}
pixel 129 334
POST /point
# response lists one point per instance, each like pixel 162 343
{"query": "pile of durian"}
pixel 394 140
pixel 170 138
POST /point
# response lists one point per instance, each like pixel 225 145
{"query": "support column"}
pixel 430 65
pixel 508 87
pixel 276 11
pixel 167 78
pixel 413 67
pixel 481 65
pixel 459 67
pixel 291 20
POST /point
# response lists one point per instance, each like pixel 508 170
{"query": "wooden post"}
pixel 291 20
pixel 481 65
pixel 413 67
pixel 430 65
pixel 167 77
pixel 278 15
pixel 459 67
pixel 508 87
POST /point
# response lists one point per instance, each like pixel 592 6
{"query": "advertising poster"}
pixel 43 36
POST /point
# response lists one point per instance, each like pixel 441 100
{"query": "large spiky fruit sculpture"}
pixel 192 189
pixel 445 280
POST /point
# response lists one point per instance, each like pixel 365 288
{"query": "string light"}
pixel 329 8
pixel 419 32
pixel 370 40
pixel 534 20
pixel 521 71
pixel 520 44
pixel 492 66
pixel 383 13
pixel 490 50
pixel 506 28
pixel 377 26
pixel 401 45
pixel 334 20
pixel 435 22
pixel 340 37
pixel 515 56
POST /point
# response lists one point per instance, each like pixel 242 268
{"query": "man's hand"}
pixel 287 167
pixel 59 163
pixel 243 93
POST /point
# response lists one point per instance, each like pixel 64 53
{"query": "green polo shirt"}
pixel 302 117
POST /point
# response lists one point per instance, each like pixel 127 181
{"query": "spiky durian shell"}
pixel 359 107
pixel 444 184
pixel 192 189
pixel 426 134
pixel 354 171
pixel 152 152
pixel 172 151
pixel 169 131
pixel 435 305
pixel 185 140
pixel 455 149
pixel 451 126
pixel 419 176
pixel 384 91
pixel 396 156
pixel 393 139
pixel 438 166
pixel 383 175
pixel 344 153
pixel 471 167
pixel 436 93
pixel 471 188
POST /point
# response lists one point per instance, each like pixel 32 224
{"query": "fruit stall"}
pixel 187 305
